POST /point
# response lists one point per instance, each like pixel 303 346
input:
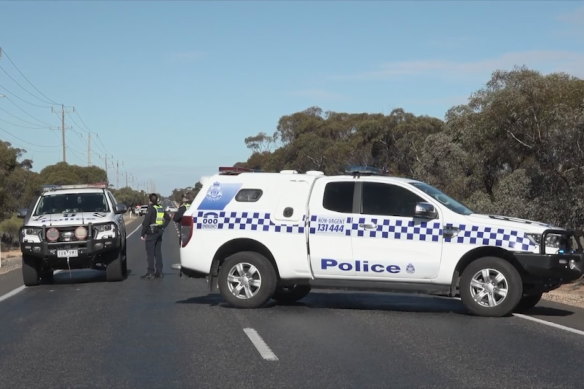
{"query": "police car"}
pixel 73 227
pixel 258 236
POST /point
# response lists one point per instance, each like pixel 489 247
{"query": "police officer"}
pixel 152 229
pixel 187 198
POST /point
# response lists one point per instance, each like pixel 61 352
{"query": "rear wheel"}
pixel 491 286
pixel 290 294
pixel 527 302
pixel 247 279
pixel 30 271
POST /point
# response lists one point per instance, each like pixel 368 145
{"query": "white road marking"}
pixel 260 345
pixel 12 293
pixel 132 233
pixel 548 323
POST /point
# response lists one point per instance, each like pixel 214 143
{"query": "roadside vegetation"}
pixel 516 148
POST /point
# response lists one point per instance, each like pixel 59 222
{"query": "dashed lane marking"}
pixel 260 345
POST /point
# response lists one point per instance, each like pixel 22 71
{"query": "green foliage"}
pixel 64 174
pixel 9 230
pixel 130 197
pixel 516 148
pixel 177 194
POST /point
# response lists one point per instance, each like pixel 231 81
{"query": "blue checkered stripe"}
pixel 243 221
pixel 490 236
pixel 396 229
pixel 387 229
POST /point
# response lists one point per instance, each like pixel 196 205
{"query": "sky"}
pixel 162 93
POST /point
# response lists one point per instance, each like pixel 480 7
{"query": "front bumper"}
pixel 565 266
pixel 90 253
pixel 562 267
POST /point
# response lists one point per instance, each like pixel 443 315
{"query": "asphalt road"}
pixel 82 332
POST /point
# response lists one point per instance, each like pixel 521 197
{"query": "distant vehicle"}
pixel 143 210
pixel 73 227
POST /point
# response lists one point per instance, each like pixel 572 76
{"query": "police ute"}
pixel 73 227
pixel 262 236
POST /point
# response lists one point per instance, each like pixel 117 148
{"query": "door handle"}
pixel 367 226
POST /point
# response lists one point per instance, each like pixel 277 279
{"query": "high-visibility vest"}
pixel 186 205
pixel 159 215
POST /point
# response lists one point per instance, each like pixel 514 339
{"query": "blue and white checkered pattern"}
pixel 243 221
pixel 490 236
pixel 392 228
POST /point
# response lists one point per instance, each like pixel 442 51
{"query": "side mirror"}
pixel 121 208
pixel 22 213
pixel 425 211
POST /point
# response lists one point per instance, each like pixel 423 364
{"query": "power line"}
pixel 21 99
pixel 47 101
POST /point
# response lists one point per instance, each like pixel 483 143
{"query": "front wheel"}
pixel 115 269
pixel 30 271
pixel 247 279
pixel 491 286
pixel 527 302
pixel 290 294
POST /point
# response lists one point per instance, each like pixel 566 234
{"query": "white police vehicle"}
pixel 277 235
pixel 73 227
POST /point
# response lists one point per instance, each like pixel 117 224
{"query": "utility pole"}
pixel 89 148
pixel 63 128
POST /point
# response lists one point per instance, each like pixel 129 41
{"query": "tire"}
pixel 527 302
pixel 47 275
pixel 290 294
pixel 491 286
pixel 125 267
pixel 115 269
pixel 30 271
pixel 247 280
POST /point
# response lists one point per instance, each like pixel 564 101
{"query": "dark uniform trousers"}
pixel 154 251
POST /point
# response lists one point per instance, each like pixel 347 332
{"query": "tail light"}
pixel 186 230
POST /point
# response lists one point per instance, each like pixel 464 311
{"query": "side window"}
pixel 248 195
pixel 388 200
pixel 338 196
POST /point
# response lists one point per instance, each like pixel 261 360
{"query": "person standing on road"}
pixel 187 198
pixel 152 229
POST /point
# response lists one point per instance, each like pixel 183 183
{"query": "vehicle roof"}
pixel 73 191
pixel 260 175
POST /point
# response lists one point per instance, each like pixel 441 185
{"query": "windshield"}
pixel 71 203
pixel 444 199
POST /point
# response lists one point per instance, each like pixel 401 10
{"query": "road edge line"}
pixel 550 324
pixel 12 293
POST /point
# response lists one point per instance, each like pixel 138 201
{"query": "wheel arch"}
pixel 481 252
pixel 238 245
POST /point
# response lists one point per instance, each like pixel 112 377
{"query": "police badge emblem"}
pixel 214 192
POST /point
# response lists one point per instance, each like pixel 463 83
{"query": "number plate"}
pixel 66 253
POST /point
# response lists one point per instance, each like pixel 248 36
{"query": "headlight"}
pixel 31 234
pixel 534 239
pixel 553 241
pixel 104 231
